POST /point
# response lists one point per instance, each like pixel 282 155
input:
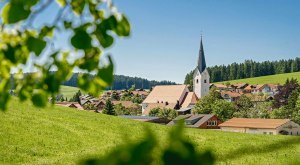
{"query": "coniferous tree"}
pixel 109 108
pixel 248 69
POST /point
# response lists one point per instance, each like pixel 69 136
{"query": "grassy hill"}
pixel 273 79
pixel 58 135
pixel 68 91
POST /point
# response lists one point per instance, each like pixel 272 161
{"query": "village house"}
pixel 261 126
pixel 203 121
pixel 230 96
pixel 220 87
pixel 142 93
pixel 70 104
pixel 239 87
pixel 179 96
pixel 262 88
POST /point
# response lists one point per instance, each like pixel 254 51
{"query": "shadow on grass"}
pixel 281 144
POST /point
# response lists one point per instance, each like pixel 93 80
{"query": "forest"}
pixel 124 82
pixel 247 69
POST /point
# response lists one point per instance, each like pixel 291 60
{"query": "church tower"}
pixel 201 75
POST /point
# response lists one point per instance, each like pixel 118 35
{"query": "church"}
pixel 179 97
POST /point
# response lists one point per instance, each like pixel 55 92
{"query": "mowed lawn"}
pixel 58 135
pixel 272 79
pixel 68 91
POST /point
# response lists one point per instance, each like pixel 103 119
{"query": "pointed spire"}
pixel 201 59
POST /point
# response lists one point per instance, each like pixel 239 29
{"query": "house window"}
pixel 197 81
pixel 204 81
pixel 265 132
pixel 270 133
pixel 211 123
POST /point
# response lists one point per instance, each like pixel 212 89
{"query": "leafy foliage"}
pixel 178 151
pixel 243 105
pixel 19 40
pixel 132 110
pixel 89 106
pixel 285 93
pixel 76 97
pixel 164 113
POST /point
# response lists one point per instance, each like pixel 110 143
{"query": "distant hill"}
pixel 124 82
pixel 248 69
pixel 60 135
pixel 273 79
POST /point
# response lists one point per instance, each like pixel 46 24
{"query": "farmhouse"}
pixel 204 121
pixel 230 96
pixel 261 126
pixel 179 96
pixel 70 104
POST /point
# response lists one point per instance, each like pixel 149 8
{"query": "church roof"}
pixel 190 98
pixel 166 93
pixel 201 58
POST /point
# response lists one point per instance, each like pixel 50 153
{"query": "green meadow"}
pixel 58 135
pixel 68 91
pixel 272 79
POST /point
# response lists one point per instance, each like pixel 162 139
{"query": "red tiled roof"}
pixel 254 123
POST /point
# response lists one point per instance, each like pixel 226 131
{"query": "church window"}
pixel 204 81
pixel 197 81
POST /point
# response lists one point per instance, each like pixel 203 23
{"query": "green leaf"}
pixel 47 31
pixel 67 24
pixel 4 97
pixel 10 53
pixel 83 81
pixel 14 12
pixel 39 98
pixel 61 2
pixel 36 45
pixel 90 61
pixel 81 40
pixel 97 14
pixel 52 82
pixel 106 73
pixel 78 6
pixel 123 27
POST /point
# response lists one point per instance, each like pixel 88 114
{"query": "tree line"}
pixel 248 69
pixel 123 82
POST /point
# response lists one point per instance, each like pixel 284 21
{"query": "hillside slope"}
pixel 68 91
pixel 272 79
pixel 57 135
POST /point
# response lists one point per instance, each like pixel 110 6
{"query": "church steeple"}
pixel 201 76
pixel 201 58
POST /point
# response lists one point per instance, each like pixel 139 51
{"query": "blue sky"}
pixel 166 33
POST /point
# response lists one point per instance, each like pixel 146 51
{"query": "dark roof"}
pixel 139 117
pixel 201 58
pixel 192 120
